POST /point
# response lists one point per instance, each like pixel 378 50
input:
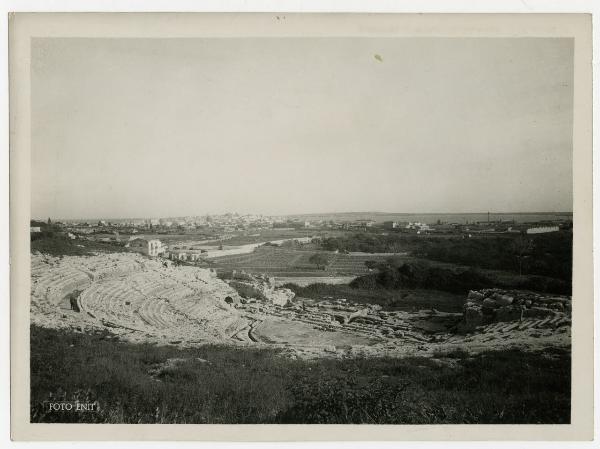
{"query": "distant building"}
pixel 190 255
pixel 36 229
pixel 391 224
pixel 359 224
pixel 419 227
pixel 150 248
pixel 542 229
pixel 366 223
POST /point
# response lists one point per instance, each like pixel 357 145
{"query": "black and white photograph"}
pixel 301 229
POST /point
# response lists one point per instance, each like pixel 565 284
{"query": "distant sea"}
pixel 518 217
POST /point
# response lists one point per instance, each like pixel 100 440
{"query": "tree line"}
pixel 543 255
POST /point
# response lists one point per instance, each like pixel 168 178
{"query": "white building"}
pixel 542 229
pixel 191 255
pixel 418 226
pixel 150 248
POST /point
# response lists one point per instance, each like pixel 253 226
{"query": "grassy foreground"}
pixel 219 384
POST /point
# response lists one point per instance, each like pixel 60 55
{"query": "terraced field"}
pixel 283 261
pixel 268 258
pixel 352 264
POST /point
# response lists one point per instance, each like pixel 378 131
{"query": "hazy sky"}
pixel 169 127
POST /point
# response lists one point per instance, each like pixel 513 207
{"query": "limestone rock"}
pixel 473 317
pixel 490 303
pixel 537 312
pixel 498 305
pixel 281 296
pixel 262 288
pixel 475 296
pixel 503 300
pixel 507 314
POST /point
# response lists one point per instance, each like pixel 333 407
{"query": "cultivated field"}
pixel 281 262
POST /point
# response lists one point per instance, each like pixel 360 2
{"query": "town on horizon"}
pixel 252 228
pixel 277 217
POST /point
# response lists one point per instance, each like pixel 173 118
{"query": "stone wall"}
pixel 494 305
pixel 262 288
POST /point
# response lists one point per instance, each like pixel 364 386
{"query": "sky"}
pixel 173 127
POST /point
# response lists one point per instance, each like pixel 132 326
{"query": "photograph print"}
pixel 301 230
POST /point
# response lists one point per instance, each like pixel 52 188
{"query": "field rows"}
pixel 271 260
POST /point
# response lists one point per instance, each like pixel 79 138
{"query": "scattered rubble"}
pixel 260 287
pixel 496 305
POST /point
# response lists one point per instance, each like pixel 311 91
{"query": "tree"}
pixel 522 246
pixel 371 264
pixel 319 259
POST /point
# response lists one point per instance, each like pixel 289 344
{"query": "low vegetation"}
pixel 397 274
pixel 59 245
pixel 143 383
pixel 407 299
pixel 320 260
pixel 548 255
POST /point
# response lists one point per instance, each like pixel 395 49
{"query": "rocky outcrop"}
pixel 496 305
pixel 261 287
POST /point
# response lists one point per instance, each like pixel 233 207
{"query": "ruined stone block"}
pixel 473 317
pixel 537 312
pixel 473 295
pixel 490 303
pixel 503 300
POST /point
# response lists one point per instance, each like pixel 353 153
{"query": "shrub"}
pixel 548 255
pixel 396 274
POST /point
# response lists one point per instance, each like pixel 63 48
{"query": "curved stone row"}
pixel 498 305
pixel 54 285
pixel 135 293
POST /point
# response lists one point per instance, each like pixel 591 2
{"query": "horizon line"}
pixel 313 214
